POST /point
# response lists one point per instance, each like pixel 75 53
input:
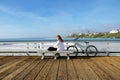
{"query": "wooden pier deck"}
pixel 80 68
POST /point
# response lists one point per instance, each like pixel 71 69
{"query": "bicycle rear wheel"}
pixel 91 50
pixel 73 48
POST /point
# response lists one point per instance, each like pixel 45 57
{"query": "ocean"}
pixel 54 39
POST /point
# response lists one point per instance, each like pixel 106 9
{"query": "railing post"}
pixel 27 48
pixel 108 48
pixel 38 46
pixel 41 45
pixel 108 53
pixel 35 45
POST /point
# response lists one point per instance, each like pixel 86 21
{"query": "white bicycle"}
pixel 89 50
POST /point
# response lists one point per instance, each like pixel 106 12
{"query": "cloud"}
pixel 32 16
pixel 7 10
pixel 18 13
pixel 61 18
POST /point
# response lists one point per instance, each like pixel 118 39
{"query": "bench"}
pixel 55 53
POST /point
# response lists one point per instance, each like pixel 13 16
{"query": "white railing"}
pixel 34 46
pixel 28 45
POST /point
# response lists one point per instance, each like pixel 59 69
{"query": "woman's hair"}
pixel 59 38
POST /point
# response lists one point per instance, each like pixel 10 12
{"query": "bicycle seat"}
pixel 86 42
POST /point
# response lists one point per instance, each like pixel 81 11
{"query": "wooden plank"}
pixel 113 62
pixel 16 72
pixel 32 75
pixel 109 66
pixel 45 70
pixel 84 71
pixel 62 71
pixel 2 57
pixel 8 65
pixel 72 75
pixel 116 58
pixel 99 72
pixel 52 75
pixel 5 60
pixel 102 65
pixel 27 70
pixel 13 68
pixel 80 68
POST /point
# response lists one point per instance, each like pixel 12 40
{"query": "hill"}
pixel 96 35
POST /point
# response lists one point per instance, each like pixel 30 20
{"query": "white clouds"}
pixel 61 18
pixel 32 16
pixel 6 10
pixel 22 14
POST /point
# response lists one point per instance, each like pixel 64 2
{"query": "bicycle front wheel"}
pixel 73 48
pixel 91 50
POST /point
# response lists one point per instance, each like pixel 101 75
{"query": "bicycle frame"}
pixel 78 45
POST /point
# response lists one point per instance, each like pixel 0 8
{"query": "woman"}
pixel 59 46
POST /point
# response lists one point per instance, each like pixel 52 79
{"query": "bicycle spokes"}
pixel 91 50
pixel 73 48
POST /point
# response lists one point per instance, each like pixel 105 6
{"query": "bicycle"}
pixel 89 50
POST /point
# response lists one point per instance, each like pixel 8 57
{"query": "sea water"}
pixel 54 39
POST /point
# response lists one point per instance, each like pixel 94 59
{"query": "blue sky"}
pixel 47 18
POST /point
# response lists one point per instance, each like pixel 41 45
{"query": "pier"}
pixel 77 68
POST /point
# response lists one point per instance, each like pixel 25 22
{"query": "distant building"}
pixel 79 33
pixel 114 31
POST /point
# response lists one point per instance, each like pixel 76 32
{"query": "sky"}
pixel 47 18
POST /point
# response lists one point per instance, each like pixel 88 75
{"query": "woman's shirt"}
pixel 60 46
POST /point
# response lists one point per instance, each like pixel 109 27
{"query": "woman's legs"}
pixel 52 49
